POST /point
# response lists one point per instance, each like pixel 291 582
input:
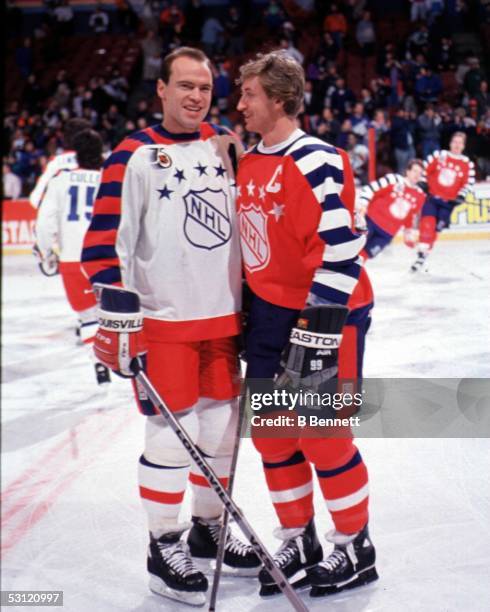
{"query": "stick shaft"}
pixel 222 493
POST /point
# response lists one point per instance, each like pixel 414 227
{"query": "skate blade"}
pixel 369 575
pixel 300 580
pixel 208 566
pixel 196 598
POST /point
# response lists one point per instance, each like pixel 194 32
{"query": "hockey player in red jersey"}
pixel 390 203
pixel 302 262
pixel 449 175
pixel 164 229
pixel 62 222
pixel 62 161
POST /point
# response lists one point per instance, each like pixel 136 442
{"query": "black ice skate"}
pixel 239 558
pixel 172 571
pixel 420 264
pixel 102 374
pixel 350 564
pixel 299 552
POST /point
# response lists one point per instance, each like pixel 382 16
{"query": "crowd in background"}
pixel 404 102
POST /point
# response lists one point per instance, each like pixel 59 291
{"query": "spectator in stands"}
pixel 482 98
pixel 366 35
pixel 274 16
pixel 360 122
pixel 343 135
pixel 366 98
pixel 442 55
pixel 222 86
pixel 151 45
pixel 402 134
pixel 359 156
pixel 393 78
pixel 428 87
pixel 336 24
pixel 24 57
pixel 64 18
pixel 172 22
pixel 12 185
pixel 34 94
pixel 212 36
pixel 327 128
pixel 99 21
pixel 194 14
pixel 428 125
pixel 289 49
pixel 235 42
pixel 380 92
pixel 342 99
pixel 328 50
pixel 418 10
pixel 379 123
pixel 112 123
pixel 473 77
pixel 418 41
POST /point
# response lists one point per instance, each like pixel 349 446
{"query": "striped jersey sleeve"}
pixel 471 179
pixel 430 164
pixel 100 261
pixel 323 168
pixel 368 192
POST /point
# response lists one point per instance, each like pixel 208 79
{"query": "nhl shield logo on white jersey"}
pixel 253 235
pixel 207 222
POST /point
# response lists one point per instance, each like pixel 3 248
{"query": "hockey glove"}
pixel 311 356
pixel 49 263
pixel 410 237
pixel 120 342
pixel 424 186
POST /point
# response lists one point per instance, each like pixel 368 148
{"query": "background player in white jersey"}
pixel 61 223
pixel 295 201
pixel 63 161
pixel 448 176
pixel 164 228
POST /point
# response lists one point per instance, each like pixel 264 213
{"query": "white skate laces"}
pixel 177 557
pixel 293 542
pixel 233 545
pixel 346 548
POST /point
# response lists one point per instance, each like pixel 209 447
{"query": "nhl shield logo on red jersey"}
pixel 253 235
pixel 207 222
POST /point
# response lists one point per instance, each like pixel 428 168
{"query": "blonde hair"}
pixel 281 77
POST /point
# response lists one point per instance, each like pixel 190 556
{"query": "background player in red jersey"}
pixel 390 203
pixel 449 175
pixel 164 229
pixel 62 221
pixel 299 249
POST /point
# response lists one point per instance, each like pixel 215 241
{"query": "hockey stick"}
pixel 222 493
pixel 226 515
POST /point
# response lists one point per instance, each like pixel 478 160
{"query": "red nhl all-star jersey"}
pixel 391 202
pixel 448 175
pixel 295 230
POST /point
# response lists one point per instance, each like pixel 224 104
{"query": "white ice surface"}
pixel 71 516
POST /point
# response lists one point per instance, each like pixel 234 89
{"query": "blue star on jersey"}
pixel 165 192
pixel 220 171
pixel 201 169
pixel 179 175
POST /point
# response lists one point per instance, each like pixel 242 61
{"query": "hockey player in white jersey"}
pixel 164 234
pixel 61 224
pixel 67 160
